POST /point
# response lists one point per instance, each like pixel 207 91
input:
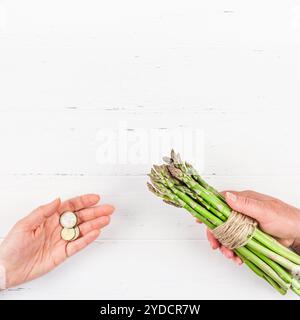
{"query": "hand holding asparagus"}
pixel 179 184
pixel 274 216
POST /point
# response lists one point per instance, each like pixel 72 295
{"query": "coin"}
pixel 68 234
pixel 68 220
pixel 77 233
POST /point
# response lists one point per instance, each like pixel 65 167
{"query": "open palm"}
pixel 34 246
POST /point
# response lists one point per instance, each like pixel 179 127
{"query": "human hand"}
pixel 34 246
pixel 275 217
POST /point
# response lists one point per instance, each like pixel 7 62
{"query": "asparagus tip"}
pixel 167 160
pixel 153 173
pixel 171 203
pixel 175 172
pixel 156 167
pixel 173 154
pixel 175 157
pixel 188 165
pixel 152 189
pixel 178 158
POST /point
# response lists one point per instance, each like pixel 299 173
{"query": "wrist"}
pixel 2 277
pixel 6 280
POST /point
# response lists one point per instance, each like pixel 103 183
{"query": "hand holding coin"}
pixel 68 220
pixel 39 238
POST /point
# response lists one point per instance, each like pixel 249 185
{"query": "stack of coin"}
pixel 68 220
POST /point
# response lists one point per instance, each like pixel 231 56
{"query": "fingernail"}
pixel 238 261
pixel 231 196
pixel 94 198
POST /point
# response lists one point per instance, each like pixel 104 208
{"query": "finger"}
pixel 237 260
pixel 214 243
pixel 81 243
pixel 250 207
pixel 94 212
pixel 285 242
pixel 80 203
pixel 39 215
pixel 223 193
pixel 227 252
pixel 256 195
pixel 250 194
pixel 95 224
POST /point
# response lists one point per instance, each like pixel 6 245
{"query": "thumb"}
pixel 39 215
pixel 243 204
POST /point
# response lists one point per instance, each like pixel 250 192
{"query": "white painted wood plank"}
pixel 139 215
pixel 112 54
pixel 75 142
pixel 148 270
pixel 68 70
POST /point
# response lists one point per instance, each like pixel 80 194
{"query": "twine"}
pixel 236 231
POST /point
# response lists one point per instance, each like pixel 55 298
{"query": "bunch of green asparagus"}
pixel 180 185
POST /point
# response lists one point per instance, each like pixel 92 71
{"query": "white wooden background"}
pixel 69 68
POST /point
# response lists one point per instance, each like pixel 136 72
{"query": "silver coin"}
pixel 77 233
pixel 68 234
pixel 68 220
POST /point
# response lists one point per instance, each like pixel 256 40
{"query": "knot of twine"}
pixel 236 231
